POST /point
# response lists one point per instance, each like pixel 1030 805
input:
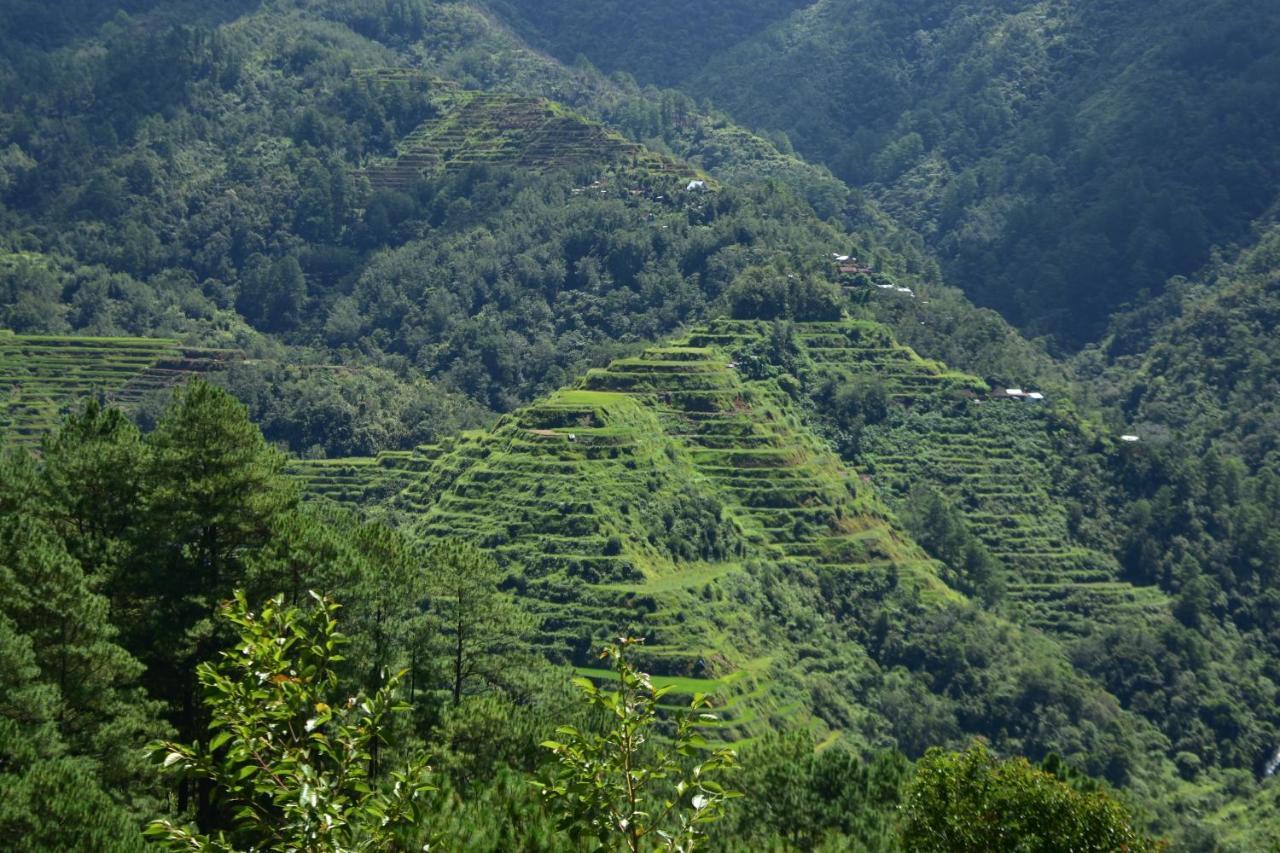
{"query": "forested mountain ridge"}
pixel 1061 159
pixel 231 209
pixel 1201 362
pixel 621 37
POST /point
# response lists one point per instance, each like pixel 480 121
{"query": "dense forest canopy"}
pixel 367 367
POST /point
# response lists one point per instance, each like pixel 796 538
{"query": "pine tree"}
pixel 482 627
pixel 71 720
pixel 373 568
pixel 101 713
pixel 91 483
pixel 214 485
pixel 213 490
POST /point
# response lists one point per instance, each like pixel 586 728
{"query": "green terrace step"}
pixel 1078 608
pixel 46 376
pixel 994 464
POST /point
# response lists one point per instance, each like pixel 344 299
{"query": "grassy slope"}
pixel 744 447
pixel 588 495
pixel 45 376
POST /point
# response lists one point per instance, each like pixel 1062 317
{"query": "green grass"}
pixel 678 684
pixel 47 376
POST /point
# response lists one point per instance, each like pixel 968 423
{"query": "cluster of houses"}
pixel 847 265
pixel 1016 394
pixel 601 187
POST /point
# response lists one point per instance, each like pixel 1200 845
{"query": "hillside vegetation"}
pixel 1061 159
pixel 43 376
pixel 510 357
pixel 680 492
pixel 399 188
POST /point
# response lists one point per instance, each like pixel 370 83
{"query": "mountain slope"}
pixel 1202 363
pixel 288 196
pixel 627 36
pixel 684 496
pixel 680 496
pixel 44 375
pixel 1060 158
pixel 389 205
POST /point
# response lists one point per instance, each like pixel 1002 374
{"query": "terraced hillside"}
pixel 361 480
pixel 650 498
pixel 853 347
pixel 645 500
pixel 991 455
pixel 498 128
pixel 44 377
pixel 994 458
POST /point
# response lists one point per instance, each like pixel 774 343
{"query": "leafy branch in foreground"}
pixel 287 765
pixel 604 784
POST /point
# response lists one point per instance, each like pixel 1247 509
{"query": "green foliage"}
pixel 829 614
pixel 1029 147
pixel 941 529
pixel 773 294
pixel 973 801
pixel 623 788
pixel 772 355
pixel 93 476
pixel 316 411
pixel 329 191
pixel 290 754
pixel 72 718
pixel 52 376
pixel 213 489
pixel 796 797
pixel 620 38
pixel 481 628
pixel 273 293
pixel 390 220
pixel 60 804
